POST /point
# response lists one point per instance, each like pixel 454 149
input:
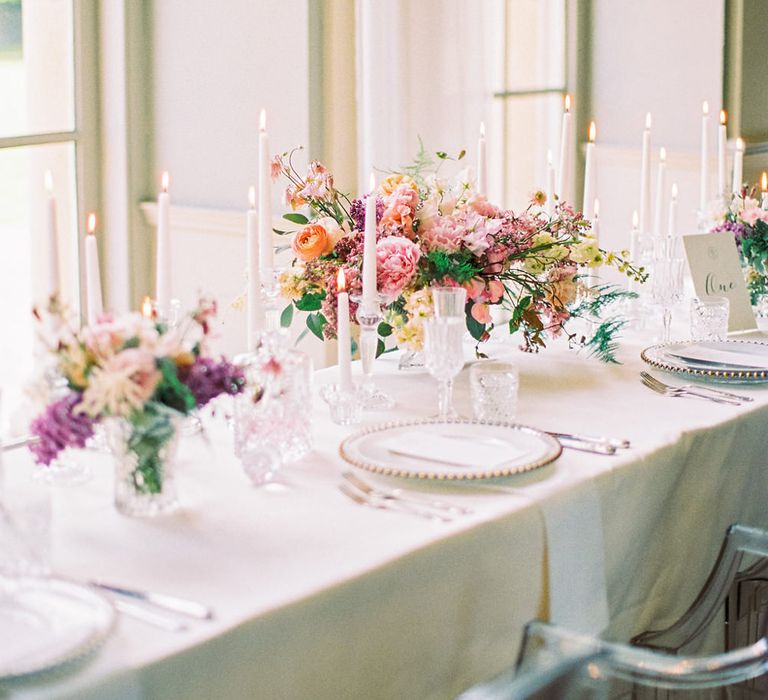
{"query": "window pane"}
pixel 36 67
pixel 532 126
pixel 535 44
pixel 24 264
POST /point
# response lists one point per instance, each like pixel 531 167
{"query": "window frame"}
pixel 85 135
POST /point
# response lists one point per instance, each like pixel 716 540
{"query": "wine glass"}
pixel 444 355
pixel 667 289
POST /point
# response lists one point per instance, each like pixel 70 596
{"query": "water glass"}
pixel 25 522
pixel 493 387
pixel 709 318
pixel 449 302
pixel 444 358
pixel 667 288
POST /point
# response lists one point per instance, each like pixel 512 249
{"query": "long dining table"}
pixel 316 596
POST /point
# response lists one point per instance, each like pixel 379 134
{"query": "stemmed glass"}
pixel 443 344
pixel 667 289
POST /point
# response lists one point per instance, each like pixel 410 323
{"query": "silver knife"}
pixel 143 614
pixel 182 606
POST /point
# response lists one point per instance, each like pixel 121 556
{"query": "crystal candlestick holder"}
pixel 345 404
pixel 270 287
pixel 369 318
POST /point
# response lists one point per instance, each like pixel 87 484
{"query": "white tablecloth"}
pixel 317 597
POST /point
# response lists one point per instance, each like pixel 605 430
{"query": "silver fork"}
pixel 664 390
pixel 400 495
pixel 384 504
pixel 695 387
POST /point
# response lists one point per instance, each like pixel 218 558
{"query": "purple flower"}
pixel 59 427
pixel 207 379
pixel 738 230
pixel 357 211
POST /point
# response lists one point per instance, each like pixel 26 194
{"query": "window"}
pixel 534 83
pixel 44 127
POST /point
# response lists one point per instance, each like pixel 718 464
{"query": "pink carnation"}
pixel 396 260
pixel 480 205
pixel 442 233
pixel 480 232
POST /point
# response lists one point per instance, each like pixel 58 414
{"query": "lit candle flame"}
pixel 372 186
pixel 662 154
pixel 705 108
pixel 341 281
pixel 91 223
pixel 48 180
pixel 739 144
pixel 263 120
pixel 648 120
pixel 592 132
pixel 146 308
pixel 635 219
pixel 164 181
pixel 482 129
pixel 567 103
pixel 252 196
pixel 723 116
pixel 674 190
pixel 764 182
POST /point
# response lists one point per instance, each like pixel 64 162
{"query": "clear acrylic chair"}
pixel 656 663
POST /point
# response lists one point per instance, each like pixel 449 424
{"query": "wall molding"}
pixel 225 222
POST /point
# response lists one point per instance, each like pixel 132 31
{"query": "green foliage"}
pixel 606 295
pixel 170 390
pixel 311 301
pixel 151 430
pixel 517 313
pixel 380 348
pixel 603 343
pixel 296 218
pixel 384 330
pixel 316 322
pixel 286 317
pixel 458 266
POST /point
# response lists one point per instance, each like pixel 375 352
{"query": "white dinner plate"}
pixel 461 449
pixel 45 623
pixel 727 361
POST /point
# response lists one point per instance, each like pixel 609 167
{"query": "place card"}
pixel 716 271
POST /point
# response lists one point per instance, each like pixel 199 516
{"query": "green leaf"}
pixel 462 153
pixel 170 390
pixel 380 347
pixel 384 330
pixel 311 301
pixel 316 322
pixel 353 345
pixel 442 155
pixel 517 314
pixel 286 317
pixel 281 233
pixel 301 336
pixel 296 218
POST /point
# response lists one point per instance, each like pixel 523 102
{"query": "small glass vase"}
pixel 144 468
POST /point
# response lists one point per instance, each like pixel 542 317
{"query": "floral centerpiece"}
pixel 139 377
pixel 746 219
pixel 431 230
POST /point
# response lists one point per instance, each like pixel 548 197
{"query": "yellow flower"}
pixel 586 252
pixel 390 184
pixel 533 266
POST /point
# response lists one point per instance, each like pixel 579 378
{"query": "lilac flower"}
pixel 357 211
pixel 206 379
pixel 737 229
pixel 58 427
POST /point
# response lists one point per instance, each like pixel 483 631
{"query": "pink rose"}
pixel 481 313
pixel 396 259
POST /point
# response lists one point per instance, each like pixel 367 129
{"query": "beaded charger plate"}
pixel 48 623
pixel 727 361
pixel 452 450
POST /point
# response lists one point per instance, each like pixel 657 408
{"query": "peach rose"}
pixel 392 182
pixel 311 242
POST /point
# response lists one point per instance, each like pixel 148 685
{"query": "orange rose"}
pixel 311 242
